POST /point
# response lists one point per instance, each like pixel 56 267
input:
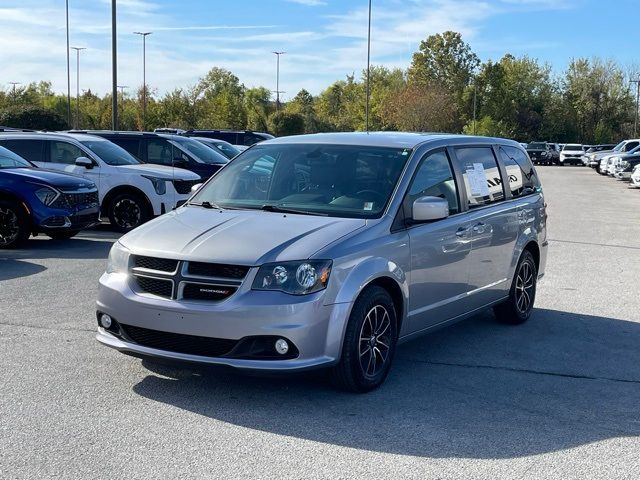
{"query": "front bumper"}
pixel 315 329
pixel 55 219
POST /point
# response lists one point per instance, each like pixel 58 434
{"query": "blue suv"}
pixel 35 200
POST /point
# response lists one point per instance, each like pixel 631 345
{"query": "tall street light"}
pixel 278 79
pixel 68 69
pixel 475 94
pixel 635 121
pixel 14 88
pixel 78 50
pixel 144 76
pixel 114 69
pixel 366 121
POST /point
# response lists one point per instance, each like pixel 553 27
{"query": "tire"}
pixel 513 311
pixel 14 225
pixel 63 235
pixel 357 370
pixel 127 211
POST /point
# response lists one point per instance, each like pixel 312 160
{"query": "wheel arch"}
pixel 8 196
pixel 111 194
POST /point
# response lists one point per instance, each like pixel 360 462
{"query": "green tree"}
pixel 257 102
pixel 284 123
pixel 32 117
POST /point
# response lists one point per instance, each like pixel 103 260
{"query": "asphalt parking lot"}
pixel 558 397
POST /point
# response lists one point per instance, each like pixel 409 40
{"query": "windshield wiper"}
pixel 281 209
pixel 206 204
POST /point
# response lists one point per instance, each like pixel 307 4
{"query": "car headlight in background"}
pixel 297 278
pixel 118 261
pixel 159 184
pixel 47 195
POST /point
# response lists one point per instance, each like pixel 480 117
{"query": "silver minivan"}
pixel 327 250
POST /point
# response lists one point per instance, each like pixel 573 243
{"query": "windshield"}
pixel 8 159
pixel 537 146
pixel 619 146
pixel 334 180
pixel 110 153
pixel 572 147
pixel 201 152
pixel 225 148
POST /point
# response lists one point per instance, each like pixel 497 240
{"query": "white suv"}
pixel 130 192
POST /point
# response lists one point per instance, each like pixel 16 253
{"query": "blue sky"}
pixel 324 39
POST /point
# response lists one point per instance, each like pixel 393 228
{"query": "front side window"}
pixel 109 152
pixel 481 176
pixel 63 152
pixel 32 150
pixel 334 180
pixel 520 172
pixel 8 159
pixel 434 178
pixel 160 152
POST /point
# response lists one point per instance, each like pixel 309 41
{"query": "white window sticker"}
pixel 477 181
pixel 368 206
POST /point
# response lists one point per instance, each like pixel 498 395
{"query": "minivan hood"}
pixel 54 178
pixel 241 237
pixel 161 171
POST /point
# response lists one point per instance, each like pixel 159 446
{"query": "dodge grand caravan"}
pixel 328 250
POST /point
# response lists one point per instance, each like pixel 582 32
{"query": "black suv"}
pixel 166 149
pixel 543 153
pixel 234 137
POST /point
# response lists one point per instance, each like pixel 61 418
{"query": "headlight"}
pixel 47 195
pixel 624 164
pixel 118 261
pixel 159 184
pixel 297 278
pixel 543 154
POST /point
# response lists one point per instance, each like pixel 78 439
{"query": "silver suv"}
pixel 328 250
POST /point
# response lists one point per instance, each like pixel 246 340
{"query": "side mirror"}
pixel 196 187
pixel 426 209
pixel 84 162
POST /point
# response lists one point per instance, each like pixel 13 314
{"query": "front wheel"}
pixel 522 295
pixel 369 342
pixel 127 211
pixel 14 225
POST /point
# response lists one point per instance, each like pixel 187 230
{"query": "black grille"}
pixel 84 219
pixel 183 187
pixel 195 291
pixel 152 263
pixel 180 343
pixel 70 200
pixel 237 272
pixel 155 286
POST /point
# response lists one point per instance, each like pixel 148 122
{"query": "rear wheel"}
pixel 517 309
pixel 14 225
pixel 63 235
pixel 369 343
pixel 127 211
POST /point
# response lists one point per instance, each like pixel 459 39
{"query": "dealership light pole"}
pixel 14 88
pixel 278 79
pixel 144 76
pixel 122 87
pixel 78 50
pixel 366 121
pixel 68 69
pixel 475 94
pixel 114 69
pixel 635 121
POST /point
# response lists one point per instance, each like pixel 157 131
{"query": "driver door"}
pixel 62 156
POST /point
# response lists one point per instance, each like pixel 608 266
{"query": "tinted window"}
pixel 131 145
pixel 537 146
pixel 629 146
pixel 109 152
pixel 64 152
pixel 227 137
pixel 522 176
pixel 335 180
pixel 434 178
pixel 481 175
pixel 160 151
pixel 32 150
pixel 202 153
pixel 8 159
pixel 249 139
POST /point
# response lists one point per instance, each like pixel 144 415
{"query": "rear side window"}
pixel 131 145
pixel 227 137
pixel 434 178
pixel 629 146
pixel 32 150
pixel 522 176
pixel 63 152
pixel 160 151
pixel 481 176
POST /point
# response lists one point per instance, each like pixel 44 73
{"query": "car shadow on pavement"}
pixel 475 390
pixel 11 268
pixel 74 248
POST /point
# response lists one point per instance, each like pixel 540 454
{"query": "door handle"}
pixel 479 227
pixel 461 232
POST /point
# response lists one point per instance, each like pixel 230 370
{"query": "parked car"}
pixel 635 177
pixel 220 146
pixel 571 154
pixel 615 162
pixel 588 157
pixel 234 137
pixel 130 192
pixel 622 147
pixel 624 169
pixel 34 200
pixel 543 153
pixel 167 149
pixel 327 250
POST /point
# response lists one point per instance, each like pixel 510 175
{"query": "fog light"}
pixel 105 320
pixel 282 346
